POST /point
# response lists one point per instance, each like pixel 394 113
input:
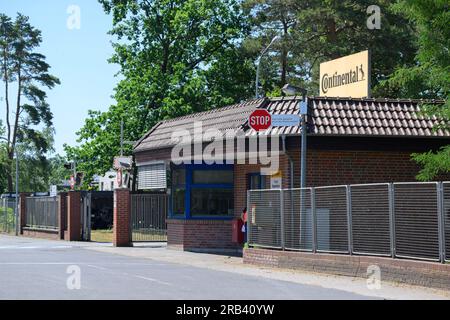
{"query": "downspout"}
pixel 291 162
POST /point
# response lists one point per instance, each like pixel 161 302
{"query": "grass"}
pixel 106 235
pixel 7 220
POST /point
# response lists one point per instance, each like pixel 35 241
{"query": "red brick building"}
pixel 349 141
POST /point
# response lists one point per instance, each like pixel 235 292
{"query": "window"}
pixel 152 176
pixel 112 185
pixel 201 190
pixel 211 201
pixel 212 176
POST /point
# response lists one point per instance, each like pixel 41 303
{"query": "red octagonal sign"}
pixel 260 119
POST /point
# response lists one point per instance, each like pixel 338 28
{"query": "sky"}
pixel 77 56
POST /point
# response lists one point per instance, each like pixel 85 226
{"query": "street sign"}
pixel 53 191
pixel 122 162
pixel 285 120
pixel 260 119
pixel 303 107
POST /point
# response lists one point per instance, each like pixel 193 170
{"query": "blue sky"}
pixel 77 56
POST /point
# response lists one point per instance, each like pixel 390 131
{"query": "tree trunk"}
pixel 284 54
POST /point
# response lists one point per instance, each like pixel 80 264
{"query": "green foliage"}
pixel 430 76
pixel 316 31
pixel 176 57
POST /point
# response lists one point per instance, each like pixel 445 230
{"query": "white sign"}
pixel 285 120
pixel 53 191
pixel 348 76
pixel 122 162
pixel 276 180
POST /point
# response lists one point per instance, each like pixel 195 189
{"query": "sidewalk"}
pixel 159 252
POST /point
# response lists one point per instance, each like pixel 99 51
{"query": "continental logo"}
pixel 337 80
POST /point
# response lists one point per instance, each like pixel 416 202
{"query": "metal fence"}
pixel 148 217
pixel 405 220
pixel 7 215
pixel 42 212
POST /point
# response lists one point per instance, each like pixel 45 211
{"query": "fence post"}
pixel 391 218
pixel 122 218
pixel 249 218
pixel 282 218
pixel 74 216
pixel 314 220
pixel 349 219
pixel 441 221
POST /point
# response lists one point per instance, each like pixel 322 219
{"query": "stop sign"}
pixel 260 119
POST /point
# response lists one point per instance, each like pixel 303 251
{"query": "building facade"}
pixel 207 161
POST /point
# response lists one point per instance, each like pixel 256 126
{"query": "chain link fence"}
pixel 42 213
pixel 405 220
pixel 7 215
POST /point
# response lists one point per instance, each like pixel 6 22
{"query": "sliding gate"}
pixel 148 216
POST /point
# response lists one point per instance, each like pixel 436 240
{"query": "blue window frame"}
pixel 207 191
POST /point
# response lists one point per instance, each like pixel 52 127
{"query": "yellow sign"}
pixel 348 76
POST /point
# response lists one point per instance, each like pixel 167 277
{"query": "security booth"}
pixel 350 141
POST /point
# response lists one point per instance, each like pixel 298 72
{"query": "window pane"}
pixel 178 201
pixel 178 177
pixel 211 201
pixel 212 176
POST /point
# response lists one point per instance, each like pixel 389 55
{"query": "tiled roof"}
pixel 357 117
pixel 229 117
pixel 327 116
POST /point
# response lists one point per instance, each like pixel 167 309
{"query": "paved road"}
pixel 37 269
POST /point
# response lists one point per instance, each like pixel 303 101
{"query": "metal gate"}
pixel 7 215
pixel 148 217
pixel 97 216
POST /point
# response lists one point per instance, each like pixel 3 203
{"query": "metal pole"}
pixel 314 220
pixel 17 192
pixel 121 134
pixel 349 219
pixel 282 219
pixel 392 218
pixel 257 78
pixel 258 61
pixel 303 149
pixel 441 221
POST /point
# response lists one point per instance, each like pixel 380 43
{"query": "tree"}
pixel 316 31
pixel 429 77
pixel 172 55
pixel 22 66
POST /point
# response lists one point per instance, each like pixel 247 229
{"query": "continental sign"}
pixel 348 76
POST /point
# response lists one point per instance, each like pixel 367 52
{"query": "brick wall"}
pixel 201 235
pixel 23 210
pixel 43 234
pixel 122 218
pixel 422 273
pixel 74 216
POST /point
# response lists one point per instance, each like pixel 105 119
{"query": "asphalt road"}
pixel 41 269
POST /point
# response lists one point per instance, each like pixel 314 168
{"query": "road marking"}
pixel 34 247
pixel 153 280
